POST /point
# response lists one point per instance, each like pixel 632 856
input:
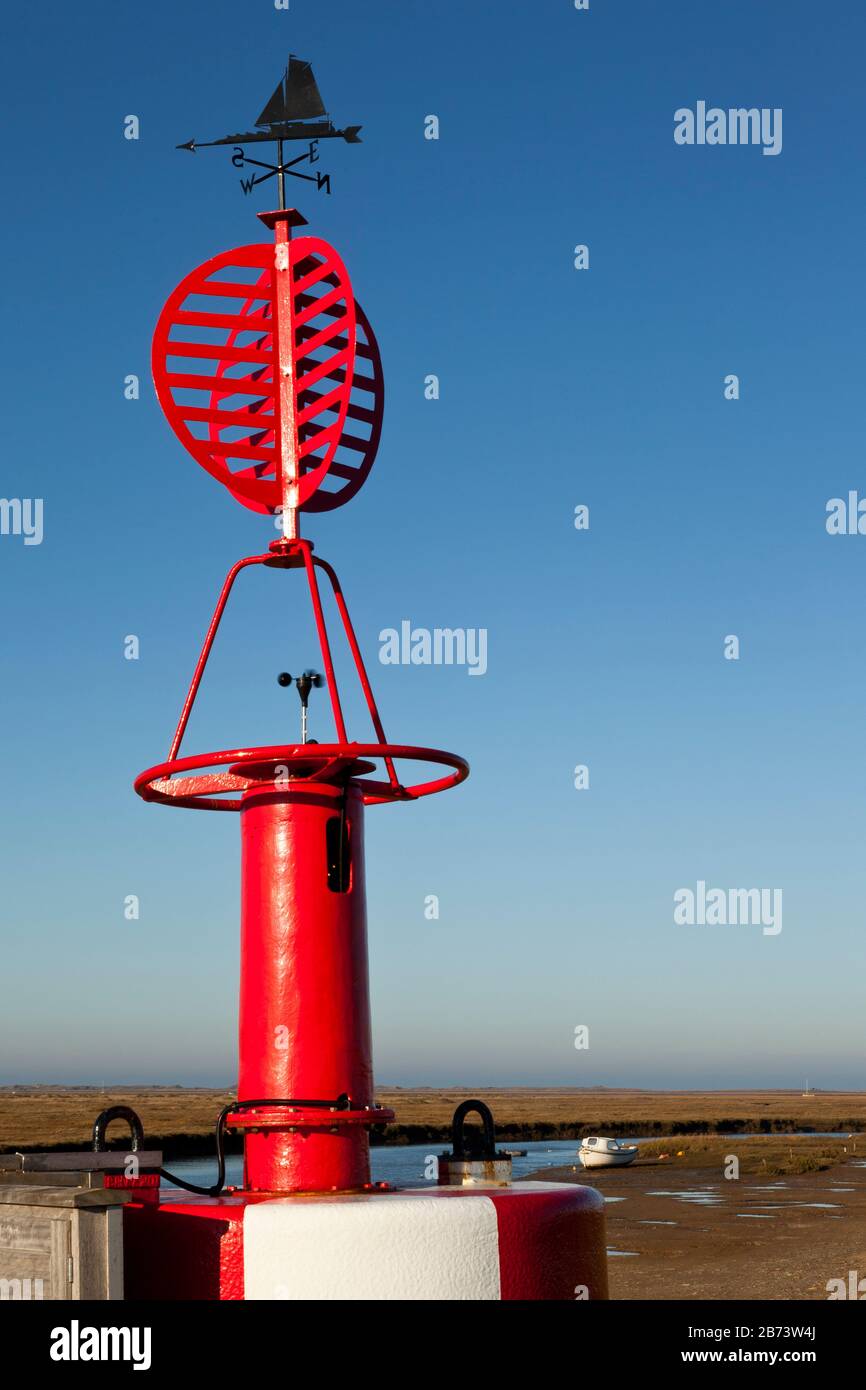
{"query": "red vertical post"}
pixel 283 308
pixel 304 995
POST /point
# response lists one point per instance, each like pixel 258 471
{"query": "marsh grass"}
pixel 771 1156
pixel 181 1120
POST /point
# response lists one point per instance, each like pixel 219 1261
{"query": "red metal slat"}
pixel 237 449
pixel 329 435
pixel 361 349
pixel 225 386
pixel 225 418
pixel 357 412
pixel 327 337
pixel 303 300
pixel 321 403
pixel 229 290
pixel 319 272
pixel 321 306
pixel 244 323
pixel 214 350
pixel 320 370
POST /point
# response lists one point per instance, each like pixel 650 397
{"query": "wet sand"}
pixel 753 1238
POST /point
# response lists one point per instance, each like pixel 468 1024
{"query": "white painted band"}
pixel 381 1246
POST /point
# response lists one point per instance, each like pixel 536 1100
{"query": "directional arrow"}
pixel 295 111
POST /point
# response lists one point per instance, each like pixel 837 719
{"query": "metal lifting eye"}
pixel 310 680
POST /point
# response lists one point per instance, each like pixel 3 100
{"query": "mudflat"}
pixel 687 1232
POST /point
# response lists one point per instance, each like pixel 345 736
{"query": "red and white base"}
pixel 524 1241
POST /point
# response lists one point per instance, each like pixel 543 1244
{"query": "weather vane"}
pixel 295 111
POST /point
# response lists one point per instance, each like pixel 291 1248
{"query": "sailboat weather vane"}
pixel 295 111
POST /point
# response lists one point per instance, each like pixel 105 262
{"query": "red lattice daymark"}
pixel 215 364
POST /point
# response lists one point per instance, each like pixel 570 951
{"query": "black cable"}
pixel 342 1102
pixel 221 1163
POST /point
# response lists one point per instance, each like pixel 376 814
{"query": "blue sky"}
pixel 558 387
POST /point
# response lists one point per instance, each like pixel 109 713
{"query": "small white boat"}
pixel 599 1152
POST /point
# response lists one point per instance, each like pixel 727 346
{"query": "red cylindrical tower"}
pixel 304 996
